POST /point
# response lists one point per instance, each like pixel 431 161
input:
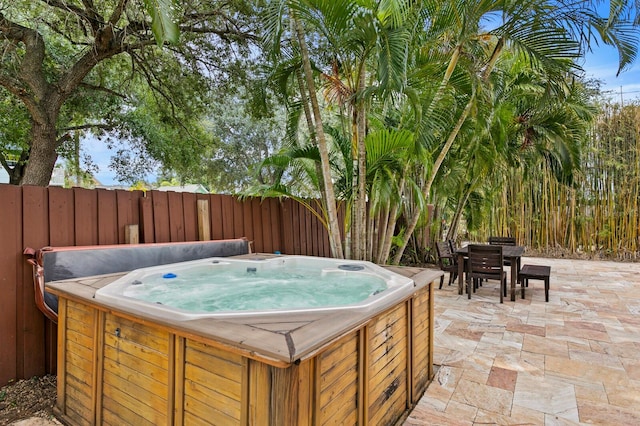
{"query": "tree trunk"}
pixel 455 222
pixel 334 226
pixel 361 200
pixel 312 134
pixel 382 231
pixel 42 155
pixel 385 250
pixel 426 188
pixel 355 223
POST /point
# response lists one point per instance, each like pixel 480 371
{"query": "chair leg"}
pixel 441 281
pixel 503 284
pixel 546 289
pixel 452 276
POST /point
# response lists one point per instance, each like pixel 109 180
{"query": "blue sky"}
pixel 602 64
pixel 101 156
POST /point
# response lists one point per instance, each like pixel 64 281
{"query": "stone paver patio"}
pixel 574 360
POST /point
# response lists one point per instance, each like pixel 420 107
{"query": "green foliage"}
pixel 14 133
pixel 88 66
pixel 240 143
pixel 163 20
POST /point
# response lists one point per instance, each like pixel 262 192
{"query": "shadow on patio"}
pixel 574 360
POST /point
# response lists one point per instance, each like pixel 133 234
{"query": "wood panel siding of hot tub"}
pixel 115 368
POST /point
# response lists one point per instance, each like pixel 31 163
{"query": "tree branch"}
pixel 108 44
pixel 88 126
pixel 103 89
pixel 33 56
pixel 65 36
pixel 223 34
pixel 117 12
pixel 89 16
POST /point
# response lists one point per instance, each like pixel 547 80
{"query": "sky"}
pixel 601 64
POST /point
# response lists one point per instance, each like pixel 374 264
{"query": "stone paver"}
pixel 574 360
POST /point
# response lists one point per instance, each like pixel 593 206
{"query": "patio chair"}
pixel 503 241
pixel 485 262
pixel 447 261
pixel 453 247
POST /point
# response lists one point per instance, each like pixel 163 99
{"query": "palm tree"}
pixel 529 124
pixel 277 12
pixel 365 49
pixel 361 38
pixel 550 34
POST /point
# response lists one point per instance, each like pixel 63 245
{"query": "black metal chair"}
pixel 447 261
pixel 485 262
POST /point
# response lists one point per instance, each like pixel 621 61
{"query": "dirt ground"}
pixel 28 399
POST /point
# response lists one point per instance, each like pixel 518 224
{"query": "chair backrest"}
pixel 502 241
pixel 485 261
pixel 446 257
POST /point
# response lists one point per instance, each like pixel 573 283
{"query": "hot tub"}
pixel 231 288
pixel 120 363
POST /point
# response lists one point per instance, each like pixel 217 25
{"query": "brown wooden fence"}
pixel 38 217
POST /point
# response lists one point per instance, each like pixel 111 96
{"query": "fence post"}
pixel 204 227
pixel 131 234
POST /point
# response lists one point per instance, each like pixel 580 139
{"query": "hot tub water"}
pixel 227 287
pixel 223 287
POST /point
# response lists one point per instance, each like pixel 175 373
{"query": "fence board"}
pixel 190 216
pixel 147 227
pixel 128 207
pixel 238 219
pixel 305 230
pixel 276 224
pixel 34 351
pixel 107 217
pixel 9 271
pixel 256 210
pixel 161 221
pixel 320 235
pixel 86 221
pixel 247 217
pixel 312 230
pixel 176 216
pixel 287 221
pixel 319 230
pixel 61 216
pixel 295 227
pixel 265 215
pixel 217 225
pixel 227 216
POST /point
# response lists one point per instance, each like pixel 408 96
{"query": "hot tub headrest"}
pixel 88 261
pixel 63 263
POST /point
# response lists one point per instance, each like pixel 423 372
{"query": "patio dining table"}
pixel 511 253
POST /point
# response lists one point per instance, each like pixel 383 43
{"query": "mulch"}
pixel 28 398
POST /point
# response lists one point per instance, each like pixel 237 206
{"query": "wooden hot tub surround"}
pixel 122 367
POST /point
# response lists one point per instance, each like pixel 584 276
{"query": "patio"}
pixel 574 360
